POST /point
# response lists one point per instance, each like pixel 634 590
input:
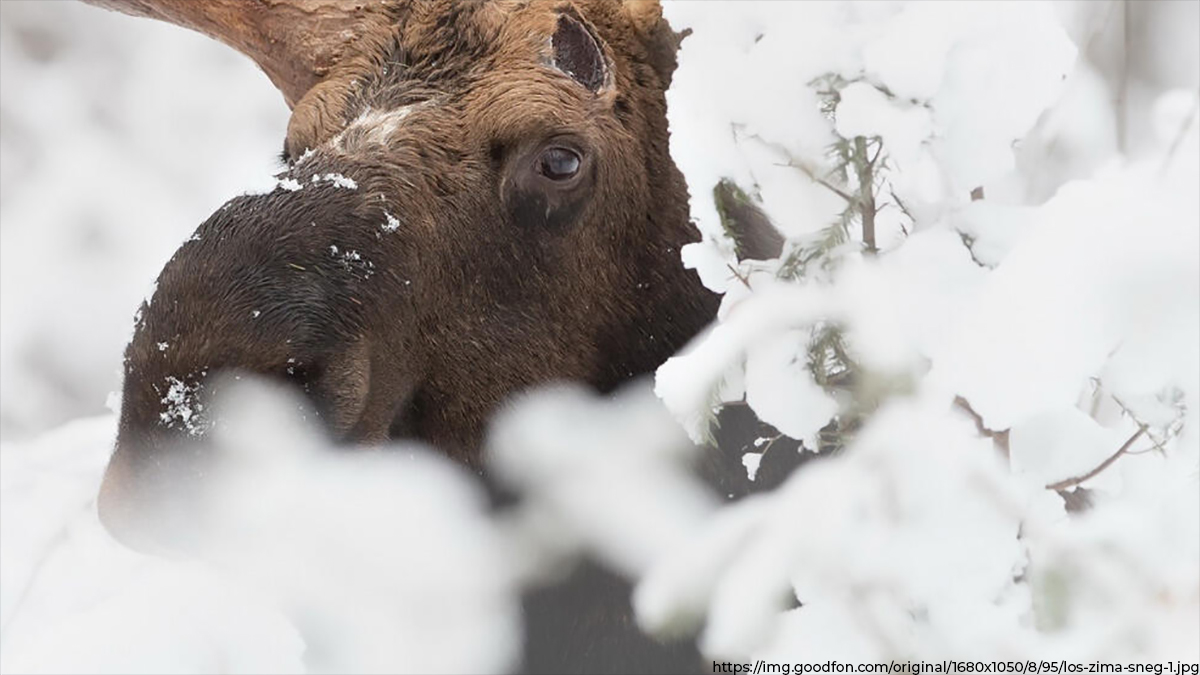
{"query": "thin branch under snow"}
pixel 1072 482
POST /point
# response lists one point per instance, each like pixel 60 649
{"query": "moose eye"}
pixel 559 163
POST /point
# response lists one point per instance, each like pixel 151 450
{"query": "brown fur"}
pixel 466 303
pixel 489 284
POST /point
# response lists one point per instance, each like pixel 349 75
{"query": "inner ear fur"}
pixel 577 52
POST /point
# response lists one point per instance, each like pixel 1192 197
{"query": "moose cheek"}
pixel 537 211
pixel 540 207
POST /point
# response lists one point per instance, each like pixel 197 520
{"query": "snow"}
pixel 987 72
pixel 866 111
pixel 304 561
pixel 781 390
pixel 869 513
pixel 110 160
pixel 1058 303
pixel 1133 299
pixel 353 262
pixel 1059 444
pixel 290 184
pixel 752 460
pixel 182 405
pixel 620 469
pixel 392 223
pixel 335 179
pixel 687 381
pixel 1038 278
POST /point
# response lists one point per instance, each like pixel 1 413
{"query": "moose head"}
pixel 478 198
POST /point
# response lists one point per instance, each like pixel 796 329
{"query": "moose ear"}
pixel 577 53
pixel 754 236
pixel 661 41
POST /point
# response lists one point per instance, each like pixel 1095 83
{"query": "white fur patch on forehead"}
pixel 379 124
pixel 375 127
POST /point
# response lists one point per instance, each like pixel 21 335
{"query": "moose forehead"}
pixel 502 67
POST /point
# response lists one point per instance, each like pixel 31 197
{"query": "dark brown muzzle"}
pixel 289 286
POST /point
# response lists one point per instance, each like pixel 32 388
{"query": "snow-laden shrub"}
pixel 983 325
pixel 975 356
pixel 303 557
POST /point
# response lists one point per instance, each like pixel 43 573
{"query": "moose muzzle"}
pixel 291 286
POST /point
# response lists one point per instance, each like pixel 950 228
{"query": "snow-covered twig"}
pixel 1077 480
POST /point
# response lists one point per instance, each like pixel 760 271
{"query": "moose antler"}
pixel 295 42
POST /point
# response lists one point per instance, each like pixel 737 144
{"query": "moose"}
pixel 478 197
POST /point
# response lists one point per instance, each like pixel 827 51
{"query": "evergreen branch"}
pixel 807 171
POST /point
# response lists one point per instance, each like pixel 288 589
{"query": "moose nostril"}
pixel 335 383
pixel 319 388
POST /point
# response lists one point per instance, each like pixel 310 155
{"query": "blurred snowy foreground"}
pixel 985 317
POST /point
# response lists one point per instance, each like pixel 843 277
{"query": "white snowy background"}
pixel 1037 277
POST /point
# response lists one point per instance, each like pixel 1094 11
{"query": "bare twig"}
pixel 1178 140
pixel 1158 444
pixel 739 276
pixel 770 444
pixel 903 208
pixel 999 438
pixel 878 152
pixel 1072 482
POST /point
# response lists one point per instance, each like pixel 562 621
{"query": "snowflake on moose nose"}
pixel 183 407
pixel 353 262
